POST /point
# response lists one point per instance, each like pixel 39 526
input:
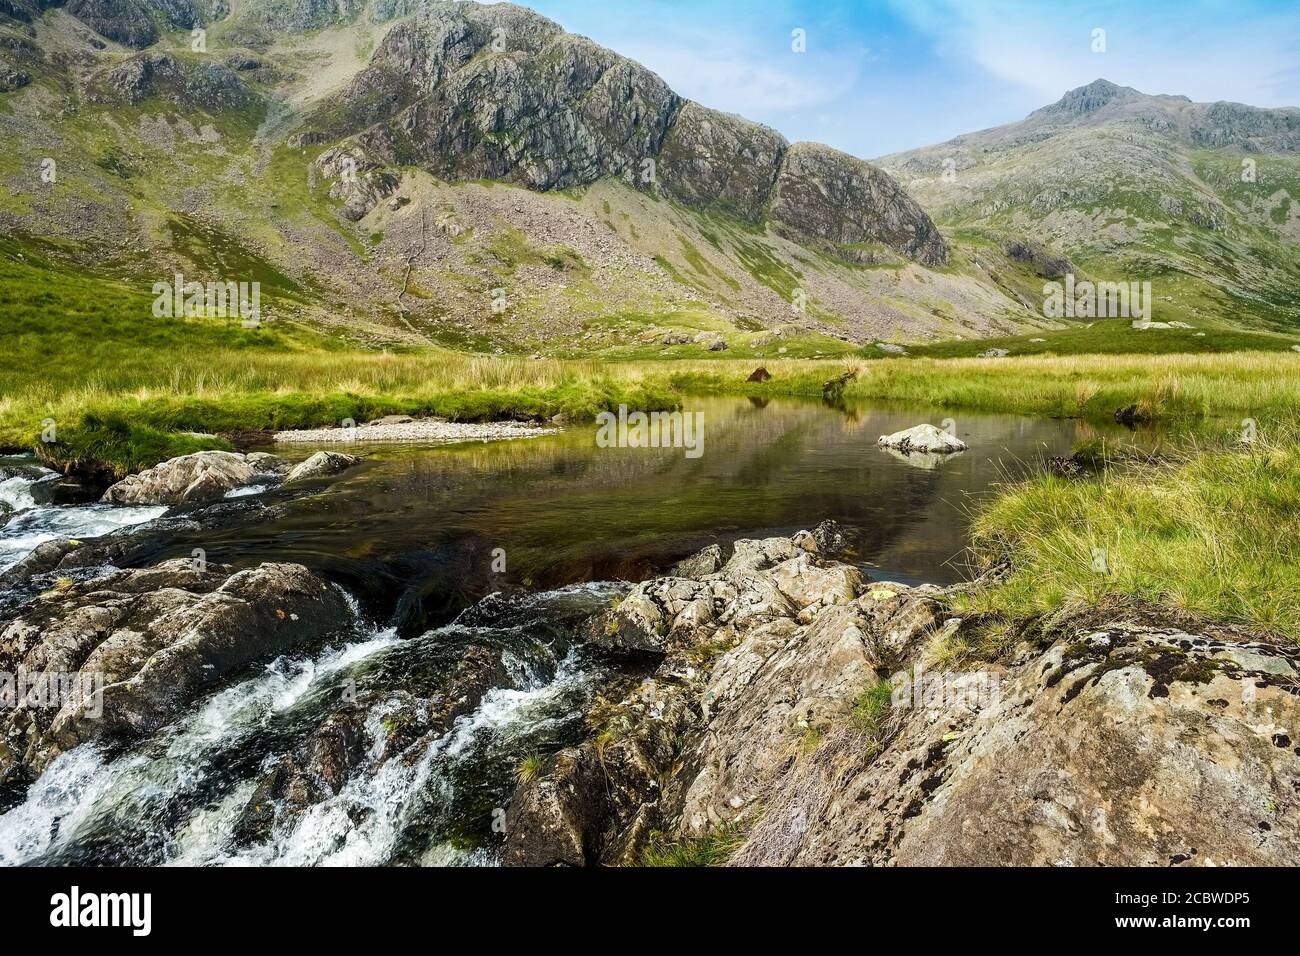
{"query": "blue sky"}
pixel 886 75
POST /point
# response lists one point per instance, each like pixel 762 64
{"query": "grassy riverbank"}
pixel 131 415
pixel 1215 534
pixel 126 389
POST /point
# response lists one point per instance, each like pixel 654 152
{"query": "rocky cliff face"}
pixel 472 92
pixel 1119 736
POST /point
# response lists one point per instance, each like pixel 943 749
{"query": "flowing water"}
pixel 502 545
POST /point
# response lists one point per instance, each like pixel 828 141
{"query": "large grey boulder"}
pixel 145 643
pixel 202 476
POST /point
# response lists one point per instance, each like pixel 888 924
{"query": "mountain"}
pixel 410 172
pixel 406 172
pixel 1202 199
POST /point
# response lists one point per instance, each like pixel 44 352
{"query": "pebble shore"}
pixel 418 431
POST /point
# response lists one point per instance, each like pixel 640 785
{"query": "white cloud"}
pixel 1204 50
pixel 750 81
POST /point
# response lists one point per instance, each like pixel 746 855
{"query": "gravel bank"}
pixel 421 431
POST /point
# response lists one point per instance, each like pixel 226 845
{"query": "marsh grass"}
pixel 1215 533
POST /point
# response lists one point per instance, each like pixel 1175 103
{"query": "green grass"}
pixel 1108 337
pixel 529 769
pixel 1215 534
pixel 124 388
pixel 871 709
pixel 1175 389
pixel 715 848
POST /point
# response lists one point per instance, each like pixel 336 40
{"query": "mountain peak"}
pixel 1091 97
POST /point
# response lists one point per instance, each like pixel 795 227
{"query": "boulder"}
pixel 200 477
pixel 699 564
pixel 320 465
pixel 925 439
pixel 148 642
pixel 759 375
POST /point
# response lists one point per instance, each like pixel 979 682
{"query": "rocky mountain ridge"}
pixel 1201 198
pixel 498 92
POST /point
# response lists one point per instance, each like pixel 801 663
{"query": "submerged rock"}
pixel 144 643
pixel 361 735
pixel 924 439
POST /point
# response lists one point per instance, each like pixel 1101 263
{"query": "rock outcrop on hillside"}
pixel 1116 736
pixel 207 86
pixel 497 92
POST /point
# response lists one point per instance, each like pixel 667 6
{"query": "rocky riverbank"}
pixel 765 702
pixel 800 711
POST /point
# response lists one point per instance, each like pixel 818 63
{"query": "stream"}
pixel 505 545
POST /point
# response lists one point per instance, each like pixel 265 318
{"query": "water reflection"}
pixel 416 528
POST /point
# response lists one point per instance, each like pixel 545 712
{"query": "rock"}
pixel 147 643
pixel 831 195
pixel 202 476
pixel 830 540
pixel 267 464
pixel 321 464
pixel 1064 466
pixel 359 180
pixel 924 439
pixel 598 803
pixel 710 157
pixel 306 138
pixel 759 375
pixel 758 721
pixel 994 353
pixel 655 617
pixel 392 420
pixel 1149 715
pixel 200 85
pixel 699 564
pixel 126 21
pixel 718 345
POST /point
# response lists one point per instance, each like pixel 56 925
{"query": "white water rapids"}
pixel 178 797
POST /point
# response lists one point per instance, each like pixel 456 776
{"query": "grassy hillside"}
pixel 1129 191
